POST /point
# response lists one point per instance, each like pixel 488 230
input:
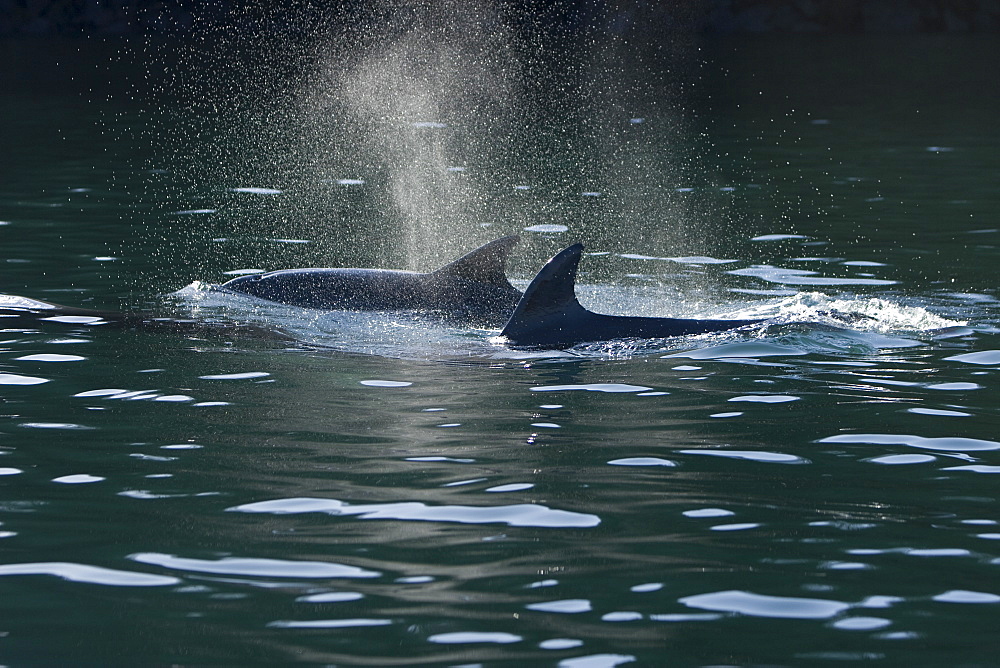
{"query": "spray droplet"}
pixel 258 191
pixel 546 228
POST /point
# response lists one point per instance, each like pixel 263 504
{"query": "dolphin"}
pixel 549 315
pixel 472 288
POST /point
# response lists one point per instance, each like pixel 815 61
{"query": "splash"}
pixel 398 134
pixel 441 101
pixel 806 323
pixel 421 110
pixel 872 314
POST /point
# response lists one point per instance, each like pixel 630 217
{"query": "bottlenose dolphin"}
pixel 549 315
pixel 472 288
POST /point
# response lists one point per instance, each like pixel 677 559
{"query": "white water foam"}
pixel 872 314
pixel 867 322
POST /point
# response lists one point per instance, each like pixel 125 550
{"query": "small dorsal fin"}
pixel 550 299
pixel 486 264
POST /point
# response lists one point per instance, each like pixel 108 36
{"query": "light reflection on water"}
pixel 401 491
pixel 319 495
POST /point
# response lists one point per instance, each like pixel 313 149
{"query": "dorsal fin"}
pixel 486 264
pixel 550 298
pixel 549 315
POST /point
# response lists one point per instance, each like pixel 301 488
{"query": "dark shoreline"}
pixel 86 18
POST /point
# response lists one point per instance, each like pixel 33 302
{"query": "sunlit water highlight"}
pixel 388 490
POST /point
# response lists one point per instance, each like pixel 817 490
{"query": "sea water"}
pixel 389 491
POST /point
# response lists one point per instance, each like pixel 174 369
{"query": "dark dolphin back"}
pixel 549 315
pixel 487 264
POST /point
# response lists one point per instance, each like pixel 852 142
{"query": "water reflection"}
pixel 531 515
pixel 587 507
pixel 89 574
pixel 758 605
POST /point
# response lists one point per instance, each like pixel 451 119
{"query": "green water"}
pixel 402 494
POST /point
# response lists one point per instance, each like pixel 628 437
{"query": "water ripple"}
pixel 593 387
pixel 963 596
pixel 78 479
pixel 902 459
pixel 750 349
pixel 331 597
pixel 975 468
pixel 467 637
pixel 386 383
pixel 708 512
pixel 742 526
pixel 758 605
pixel 861 623
pixel 803 277
pixel 622 616
pixel 89 574
pixel 766 398
pixel 564 606
pixel 947 443
pixel 140 395
pixel 523 514
pixel 596 661
pixel 560 643
pixel 327 623
pixel 50 357
pixel 236 376
pixel 752 455
pixel 642 461
pixel 984 357
pixel 687 259
pixel 512 487
pixel 17 379
pixel 938 412
pixel 280 568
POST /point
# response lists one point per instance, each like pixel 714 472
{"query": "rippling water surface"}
pixel 393 491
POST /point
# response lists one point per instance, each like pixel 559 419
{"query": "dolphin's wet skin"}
pixel 473 289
